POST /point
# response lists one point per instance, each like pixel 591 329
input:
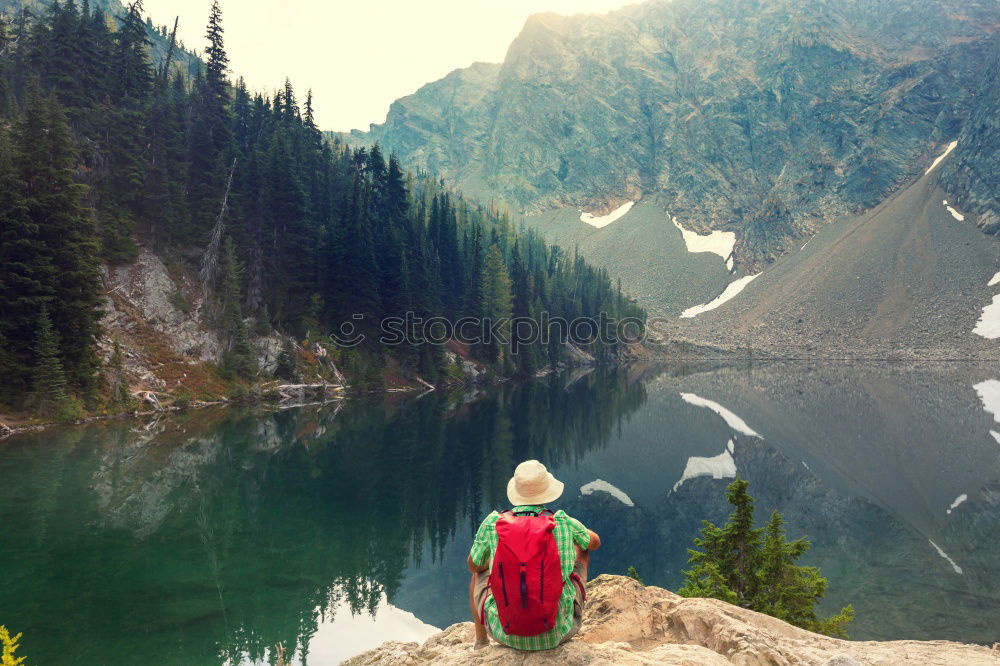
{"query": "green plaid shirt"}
pixel 568 532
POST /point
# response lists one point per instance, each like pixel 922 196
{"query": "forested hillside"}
pixel 103 152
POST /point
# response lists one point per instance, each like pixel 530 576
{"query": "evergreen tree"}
pixel 26 276
pixel 104 139
pixel 497 303
pixel 48 378
pixel 125 114
pixel 5 41
pixel 119 390
pixel 239 356
pixel 755 568
pixel 46 161
pixel 287 365
pixel 211 135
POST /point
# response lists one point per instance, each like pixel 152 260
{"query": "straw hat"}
pixel 533 484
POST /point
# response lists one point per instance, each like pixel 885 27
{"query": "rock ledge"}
pixel 626 623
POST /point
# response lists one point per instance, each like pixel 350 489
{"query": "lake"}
pixel 210 536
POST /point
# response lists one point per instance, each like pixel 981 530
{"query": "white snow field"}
pixel 954 213
pixel 732 291
pixel 716 242
pixel 605 220
pixel 951 147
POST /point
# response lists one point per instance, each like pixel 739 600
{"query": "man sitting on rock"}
pixel 529 567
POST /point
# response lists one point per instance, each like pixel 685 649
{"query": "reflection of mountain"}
pixel 215 535
pixel 866 461
pixel 212 535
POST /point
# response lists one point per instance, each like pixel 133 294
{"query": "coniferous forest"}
pixel 110 142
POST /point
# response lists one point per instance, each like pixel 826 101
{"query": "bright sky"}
pixel 359 56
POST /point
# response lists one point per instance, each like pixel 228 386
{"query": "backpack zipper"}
pixel 541 584
pixel 503 586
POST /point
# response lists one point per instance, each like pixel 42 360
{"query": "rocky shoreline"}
pixel 626 623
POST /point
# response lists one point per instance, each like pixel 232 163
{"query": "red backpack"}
pixel 526 579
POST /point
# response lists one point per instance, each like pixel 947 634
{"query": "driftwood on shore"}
pixel 300 391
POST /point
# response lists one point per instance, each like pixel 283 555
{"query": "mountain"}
pixel 973 176
pixel 906 279
pixel 741 129
pixel 755 116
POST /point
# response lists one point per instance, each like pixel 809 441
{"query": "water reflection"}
pixel 212 536
pixel 209 537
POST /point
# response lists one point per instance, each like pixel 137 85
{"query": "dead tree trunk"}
pixel 210 260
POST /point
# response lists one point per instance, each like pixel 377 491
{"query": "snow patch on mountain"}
pixel 951 147
pixel 732 291
pixel 716 242
pixel 605 220
pixel 954 213
pixel 994 280
pixel 602 486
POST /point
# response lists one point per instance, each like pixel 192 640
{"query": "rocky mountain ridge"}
pixel 766 118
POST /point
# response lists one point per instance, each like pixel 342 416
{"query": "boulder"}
pixel 627 623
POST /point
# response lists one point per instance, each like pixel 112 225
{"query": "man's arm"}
pixel 595 541
pixel 473 567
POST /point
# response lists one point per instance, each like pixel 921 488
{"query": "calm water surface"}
pixel 210 537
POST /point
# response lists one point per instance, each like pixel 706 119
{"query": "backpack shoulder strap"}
pixel 543 512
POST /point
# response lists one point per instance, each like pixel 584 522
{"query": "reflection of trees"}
pixel 216 535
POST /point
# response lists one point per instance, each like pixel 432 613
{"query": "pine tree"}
pixel 26 276
pixel 165 199
pixel 755 568
pixel 211 136
pixel 287 366
pixel 48 378
pixel 634 575
pixel 46 161
pixel 5 41
pixel 497 303
pixel 239 356
pixel 125 115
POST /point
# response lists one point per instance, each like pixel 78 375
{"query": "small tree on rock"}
pixel 121 393
pixel 287 365
pixel 755 568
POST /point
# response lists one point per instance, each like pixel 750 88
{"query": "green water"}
pixel 211 536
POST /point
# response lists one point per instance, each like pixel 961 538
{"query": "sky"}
pixel 359 56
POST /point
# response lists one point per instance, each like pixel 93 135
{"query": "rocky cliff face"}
pixel 626 623
pixel 757 116
pixel 972 177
